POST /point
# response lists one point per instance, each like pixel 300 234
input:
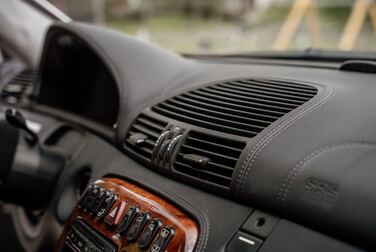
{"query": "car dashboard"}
pixel 171 153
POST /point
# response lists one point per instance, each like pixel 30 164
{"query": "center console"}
pixel 114 215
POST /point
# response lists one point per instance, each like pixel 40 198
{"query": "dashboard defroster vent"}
pixel 143 135
pixel 208 158
pixel 241 107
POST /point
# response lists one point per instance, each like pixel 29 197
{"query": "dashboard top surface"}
pixel 312 165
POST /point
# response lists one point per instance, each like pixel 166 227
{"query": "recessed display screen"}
pixel 76 80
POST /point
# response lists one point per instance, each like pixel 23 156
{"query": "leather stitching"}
pixel 255 147
pixel 290 178
pixel 273 133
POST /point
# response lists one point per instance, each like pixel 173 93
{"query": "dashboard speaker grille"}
pixel 208 158
pixel 241 107
pixel 143 134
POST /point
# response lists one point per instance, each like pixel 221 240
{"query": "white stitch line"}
pixel 288 181
pixel 270 133
pixel 284 125
pixel 266 136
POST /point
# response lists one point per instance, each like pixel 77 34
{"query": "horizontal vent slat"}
pixel 227 109
pixel 259 86
pixel 225 169
pixel 221 155
pixel 220 114
pixel 150 143
pixel 145 130
pixel 215 156
pixel 150 124
pixel 213 147
pixel 18 87
pixel 241 107
pixel 23 78
pixel 145 152
pixel 162 124
pixel 258 95
pixel 204 171
pixel 279 94
pixel 145 149
pixel 204 175
pixel 284 85
pixel 20 82
pixel 273 102
pixel 203 123
pixel 222 167
pixel 224 147
pixel 241 102
pixel 217 120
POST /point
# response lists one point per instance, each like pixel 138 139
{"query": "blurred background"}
pixel 222 26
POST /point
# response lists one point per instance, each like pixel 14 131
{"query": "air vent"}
pixel 18 87
pixel 208 158
pixel 240 107
pixel 143 134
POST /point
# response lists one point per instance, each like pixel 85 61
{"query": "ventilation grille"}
pixel 241 107
pixel 143 134
pixel 208 158
pixel 18 87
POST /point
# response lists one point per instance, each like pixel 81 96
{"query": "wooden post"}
pixel 98 11
pixel 312 21
pixel 299 9
pixel 372 13
pixel 354 24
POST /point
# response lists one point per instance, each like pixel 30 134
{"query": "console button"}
pixel 78 240
pixel 141 220
pixel 243 242
pixel 82 237
pixel 85 198
pixel 129 216
pixel 150 232
pixel 98 201
pixel 91 198
pixel 114 216
pixel 109 200
pixel 137 138
pixel 163 239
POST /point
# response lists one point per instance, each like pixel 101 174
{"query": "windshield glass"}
pixel 236 26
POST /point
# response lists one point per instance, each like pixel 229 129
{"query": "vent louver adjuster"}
pixel 154 141
pixel 208 158
pixel 241 107
pixel 143 136
pixel 166 146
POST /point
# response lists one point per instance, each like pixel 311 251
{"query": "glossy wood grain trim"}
pixel 186 229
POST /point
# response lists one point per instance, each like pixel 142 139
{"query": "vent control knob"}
pixel 137 138
pixel 196 159
pixel 163 148
pixel 171 147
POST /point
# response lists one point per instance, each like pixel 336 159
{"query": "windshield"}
pixel 236 26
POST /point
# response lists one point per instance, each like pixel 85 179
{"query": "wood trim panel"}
pixel 186 230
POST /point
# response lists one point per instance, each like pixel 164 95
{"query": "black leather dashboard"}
pixel 313 167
